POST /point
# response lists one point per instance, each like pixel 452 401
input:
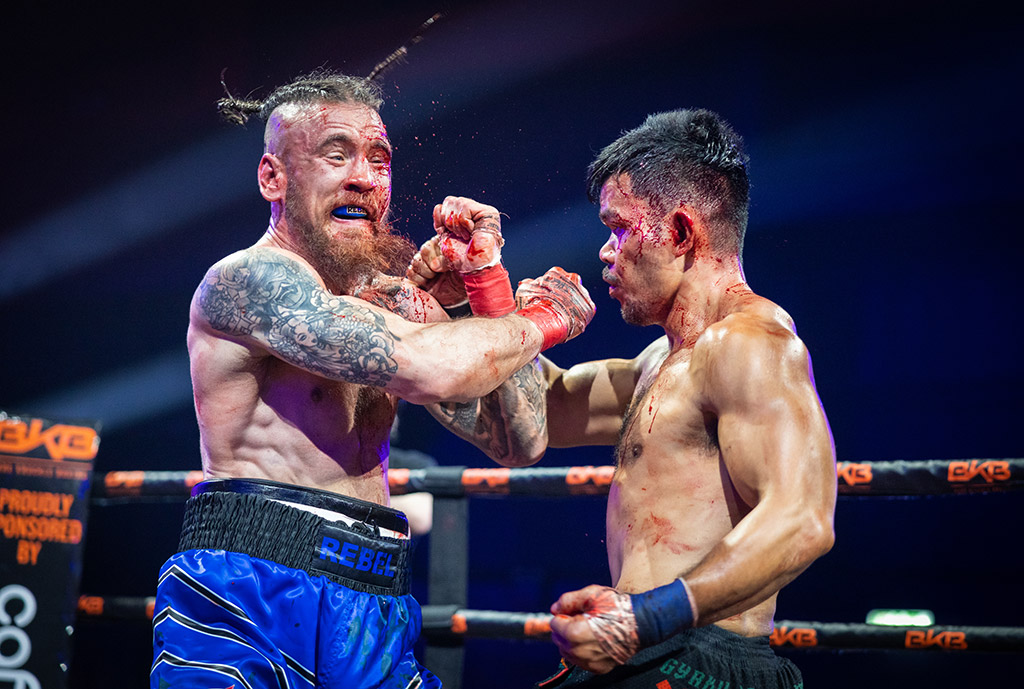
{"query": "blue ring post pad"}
pixel 661 612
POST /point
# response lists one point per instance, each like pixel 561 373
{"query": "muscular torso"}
pixel 672 499
pixel 260 417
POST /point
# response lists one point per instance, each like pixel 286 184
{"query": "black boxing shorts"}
pixel 703 658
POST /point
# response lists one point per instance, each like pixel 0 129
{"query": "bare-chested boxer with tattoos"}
pixel 292 568
pixel 725 481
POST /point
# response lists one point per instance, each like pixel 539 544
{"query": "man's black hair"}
pixel 683 156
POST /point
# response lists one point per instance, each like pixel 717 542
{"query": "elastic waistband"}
pixel 731 639
pixel 360 510
pixel 354 555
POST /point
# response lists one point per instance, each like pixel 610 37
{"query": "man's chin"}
pixel 633 314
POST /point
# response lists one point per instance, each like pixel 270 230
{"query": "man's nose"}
pixel 360 176
pixel 607 251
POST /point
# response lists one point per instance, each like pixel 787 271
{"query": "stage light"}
pixel 901 618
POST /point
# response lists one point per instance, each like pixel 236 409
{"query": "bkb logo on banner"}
pixel 45 472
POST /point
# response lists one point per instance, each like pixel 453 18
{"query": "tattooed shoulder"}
pixel 246 290
pixel 269 296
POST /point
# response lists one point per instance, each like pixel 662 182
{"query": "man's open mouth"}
pixel 350 213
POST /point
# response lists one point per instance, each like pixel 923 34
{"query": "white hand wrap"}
pixel 611 619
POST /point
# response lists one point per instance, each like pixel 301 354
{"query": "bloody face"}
pixel 639 254
pixel 337 158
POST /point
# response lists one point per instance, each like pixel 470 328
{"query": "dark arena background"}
pixel 886 144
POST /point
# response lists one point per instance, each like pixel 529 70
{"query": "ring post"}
pixel 447 581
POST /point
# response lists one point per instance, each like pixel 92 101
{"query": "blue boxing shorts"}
pixel 283 586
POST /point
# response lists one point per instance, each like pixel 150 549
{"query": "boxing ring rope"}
pixel 875 479
pixel 446 621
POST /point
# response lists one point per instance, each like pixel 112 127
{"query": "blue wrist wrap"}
pixel 661 612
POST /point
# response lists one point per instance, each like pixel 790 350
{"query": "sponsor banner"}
pixel 45 472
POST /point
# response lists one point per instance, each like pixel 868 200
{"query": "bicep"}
pixel 772 429
pixel 587 402
pixel 269 301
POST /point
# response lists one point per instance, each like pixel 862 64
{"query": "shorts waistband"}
pixel 354 555
pixel 359 510
pixel 338 517
pixel 712 636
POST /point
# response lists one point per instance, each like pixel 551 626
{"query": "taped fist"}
pixel 468 245
pixel 557 303
pixel 599 627
pixel 469 234
pixel 595 628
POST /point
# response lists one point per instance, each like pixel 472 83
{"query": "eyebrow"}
pixel 610 217
pixel 379 143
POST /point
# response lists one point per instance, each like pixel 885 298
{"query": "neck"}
pixel 709 291
pixel 279 236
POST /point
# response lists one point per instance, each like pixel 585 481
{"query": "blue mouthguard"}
pixel 349 212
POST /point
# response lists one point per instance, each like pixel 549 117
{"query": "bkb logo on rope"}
pixel 799 637
pixel 946 640
pixel 990 471
pixel 854 474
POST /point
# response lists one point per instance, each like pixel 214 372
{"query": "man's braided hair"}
pixel 320 86
pixel 683 156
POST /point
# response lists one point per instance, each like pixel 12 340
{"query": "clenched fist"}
pixel 558 303
pixel 469 234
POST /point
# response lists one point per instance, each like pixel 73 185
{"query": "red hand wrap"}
pixel 549 320
pixel 490 292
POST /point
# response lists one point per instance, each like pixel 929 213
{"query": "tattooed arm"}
pixel 463 262
pixel 509 425
pixel 273 304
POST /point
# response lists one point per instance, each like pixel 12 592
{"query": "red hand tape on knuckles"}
pixel 490 292
pixel 550 322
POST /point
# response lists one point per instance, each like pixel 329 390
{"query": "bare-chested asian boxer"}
pixel 725 482
pixel 292 568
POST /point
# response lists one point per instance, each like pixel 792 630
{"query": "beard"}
pixel 346 263
pixel 636 310
pixel 634 313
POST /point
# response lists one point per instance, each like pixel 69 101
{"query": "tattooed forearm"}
pixel 272 298
pixel 506 423
pixel 529 380
pixel 460 417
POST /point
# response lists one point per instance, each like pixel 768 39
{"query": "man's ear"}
pixel 272 178
pixel 682 228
